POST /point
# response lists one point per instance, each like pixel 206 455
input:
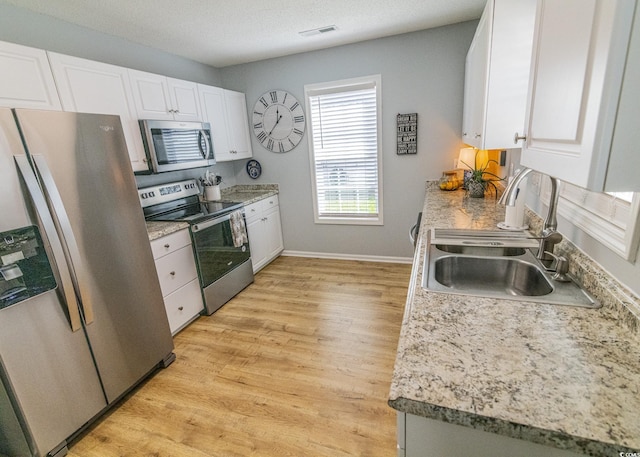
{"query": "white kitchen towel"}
pixel 238 229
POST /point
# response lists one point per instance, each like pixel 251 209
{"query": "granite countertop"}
pixel 561 376
pixel 249 193
pixel 246 194
pixel 158 229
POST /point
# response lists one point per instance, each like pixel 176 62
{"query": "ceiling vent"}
pixel 318 31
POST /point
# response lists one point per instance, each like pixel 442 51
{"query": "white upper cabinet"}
pixel 160 97
pixel 226 111
pixel 497 74
pixel 584 96
pixel 94 87
pixel 25 78
pixel 237 124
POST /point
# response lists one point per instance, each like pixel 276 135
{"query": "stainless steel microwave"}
pixel 177 145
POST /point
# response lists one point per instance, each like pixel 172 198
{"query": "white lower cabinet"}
pixel 422 437
pixel 178 277
pixel 265 231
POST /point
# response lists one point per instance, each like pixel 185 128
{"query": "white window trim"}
pixel 328 87
pixel 612 221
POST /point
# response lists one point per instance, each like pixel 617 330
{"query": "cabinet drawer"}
pixel 269 202
pixel 176 270
pixel 253 211
pixel 256 210
pixel 183 305
pixel 170 243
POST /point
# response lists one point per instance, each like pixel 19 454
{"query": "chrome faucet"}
pixel 549 236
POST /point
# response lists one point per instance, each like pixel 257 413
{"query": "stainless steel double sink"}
pixel 495 264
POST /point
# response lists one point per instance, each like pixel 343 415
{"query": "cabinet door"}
pixel 184 100
pixel 475 82
pixel 94 87
pixel 26 80
pixel 497 74
pixel 213 112
pixel 257 243
pixel 151 95
pixel 273 229
pixel 577 71
pixel 237 125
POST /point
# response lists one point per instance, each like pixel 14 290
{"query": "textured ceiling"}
pixel 222 32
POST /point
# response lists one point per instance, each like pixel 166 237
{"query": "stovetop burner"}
pixel 180 202
pixel 197 212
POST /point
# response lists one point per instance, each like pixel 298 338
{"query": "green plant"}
pixel 479 177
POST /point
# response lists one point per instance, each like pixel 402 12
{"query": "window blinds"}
pixel 345 149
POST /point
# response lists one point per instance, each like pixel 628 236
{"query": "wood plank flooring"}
pixel 298 364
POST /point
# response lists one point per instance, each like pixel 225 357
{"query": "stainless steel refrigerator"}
pixel 82 319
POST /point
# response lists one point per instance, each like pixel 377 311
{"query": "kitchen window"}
pixel 344 119
pixel 612 218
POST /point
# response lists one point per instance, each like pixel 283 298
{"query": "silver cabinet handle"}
pixel 478 135
pixel 517 137
pixel 49 232
pixel 167 246
pixel 172 273
pixel 180 308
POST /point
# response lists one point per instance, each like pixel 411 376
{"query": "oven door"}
pixel 216 254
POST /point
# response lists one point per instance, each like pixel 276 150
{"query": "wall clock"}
pixel 278 121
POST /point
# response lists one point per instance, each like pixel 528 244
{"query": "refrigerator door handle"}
pixel 64 224
pixel 48 227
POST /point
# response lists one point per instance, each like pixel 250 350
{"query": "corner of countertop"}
pixel 158 229
pixel 618 301
pixel 249 193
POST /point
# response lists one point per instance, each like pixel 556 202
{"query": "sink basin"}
pixel 501 275
pixel 495 267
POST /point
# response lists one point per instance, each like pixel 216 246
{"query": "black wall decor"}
pixel 407 134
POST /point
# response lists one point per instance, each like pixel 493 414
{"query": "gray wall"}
pixel 24 27
pixel 421 72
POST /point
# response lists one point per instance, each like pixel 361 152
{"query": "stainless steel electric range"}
pixel 218 232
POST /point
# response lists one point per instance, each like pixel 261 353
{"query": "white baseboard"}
pixel 364 258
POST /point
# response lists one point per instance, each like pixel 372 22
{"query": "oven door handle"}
pixel 205 225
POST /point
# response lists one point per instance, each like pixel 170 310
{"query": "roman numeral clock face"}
pixel 278 121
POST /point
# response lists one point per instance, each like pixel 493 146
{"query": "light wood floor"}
pixel 298 364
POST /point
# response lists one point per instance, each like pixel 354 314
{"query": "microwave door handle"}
pixel 51 236
pixel 64 224
pixel 202 138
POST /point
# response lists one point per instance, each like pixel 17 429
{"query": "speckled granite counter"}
pixel 560 376
pixel 159 229
pixel 243 193
pixel 249 193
